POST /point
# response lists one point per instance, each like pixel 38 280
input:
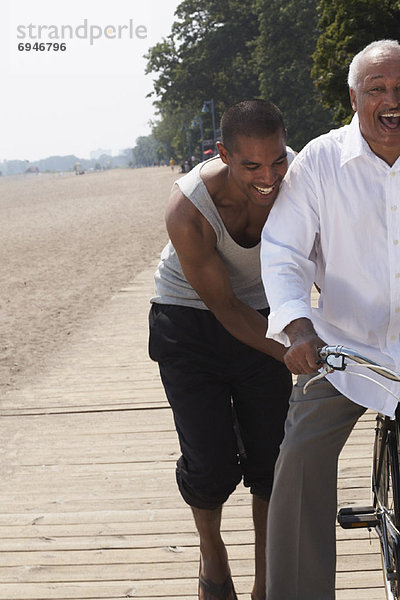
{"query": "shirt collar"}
pixel 354 144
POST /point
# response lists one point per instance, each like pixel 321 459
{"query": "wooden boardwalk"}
pixel 89 508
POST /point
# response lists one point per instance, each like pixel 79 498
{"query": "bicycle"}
pixel 384 514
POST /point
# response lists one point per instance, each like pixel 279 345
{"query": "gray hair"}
pixel 354 69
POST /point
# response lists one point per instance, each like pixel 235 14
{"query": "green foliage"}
pixel 347 28
pixel 288 34
pixel 209 54
pixel 144 154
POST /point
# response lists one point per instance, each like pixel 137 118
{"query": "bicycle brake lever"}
pixel 325 370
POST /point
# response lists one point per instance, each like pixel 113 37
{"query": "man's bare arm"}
pixel 195 243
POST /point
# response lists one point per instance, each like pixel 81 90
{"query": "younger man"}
pixel 207 332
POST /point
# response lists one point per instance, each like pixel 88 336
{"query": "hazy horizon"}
pixel 90 95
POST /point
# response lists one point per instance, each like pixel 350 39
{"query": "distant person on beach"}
pixel 226 383
pixel 336 222
pixel 172 163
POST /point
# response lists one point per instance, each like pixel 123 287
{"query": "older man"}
pixel 336 222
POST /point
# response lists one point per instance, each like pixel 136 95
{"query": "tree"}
pixel 144 154
pixel 347 28
pixel 175 130
pixel 209 54
pixel 288 34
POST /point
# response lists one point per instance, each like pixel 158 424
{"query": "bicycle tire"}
pixel 386 489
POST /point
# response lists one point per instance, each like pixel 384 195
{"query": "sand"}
pixel 68 244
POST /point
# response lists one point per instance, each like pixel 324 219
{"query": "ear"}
pixel 353 99
pixel 223 153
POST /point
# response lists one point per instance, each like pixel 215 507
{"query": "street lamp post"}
pixel 206 105
pixel 184 127
pixel 199 121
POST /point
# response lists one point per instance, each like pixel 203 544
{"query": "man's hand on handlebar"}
pixel 302 356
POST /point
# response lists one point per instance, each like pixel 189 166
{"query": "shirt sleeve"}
pixel 288 250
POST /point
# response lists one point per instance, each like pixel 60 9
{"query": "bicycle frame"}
pixel 384 515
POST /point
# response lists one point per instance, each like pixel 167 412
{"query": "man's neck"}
pixel 389 155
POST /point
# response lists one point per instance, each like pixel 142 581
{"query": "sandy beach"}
pixel 68 244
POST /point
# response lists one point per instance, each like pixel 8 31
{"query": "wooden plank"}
pixel 153 540
pixel 128 589
pixel 179 512
pixel 140 526
pixel 88 503
pixel 101 556
pixel 364 572
pixel 115 528
pixel 76 424
pixel 156 556
pixel 115 572
pixel 376 593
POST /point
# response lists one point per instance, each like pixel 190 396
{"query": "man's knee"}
pixel 206 490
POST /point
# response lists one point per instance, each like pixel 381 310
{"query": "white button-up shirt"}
pixel 336 221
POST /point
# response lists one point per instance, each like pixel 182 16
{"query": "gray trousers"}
pixel 301 542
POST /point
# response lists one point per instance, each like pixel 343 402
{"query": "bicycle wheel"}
pixel 390 555
pixel 386 481
pixel 386 478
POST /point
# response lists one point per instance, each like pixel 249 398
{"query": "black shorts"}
pixel 229 403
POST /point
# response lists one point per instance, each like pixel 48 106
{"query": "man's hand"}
pixel 302 356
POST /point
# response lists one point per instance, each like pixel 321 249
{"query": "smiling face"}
pixel 377 102
pixel 257 166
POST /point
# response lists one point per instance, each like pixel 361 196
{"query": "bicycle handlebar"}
pixel 342 352
pixel 333 358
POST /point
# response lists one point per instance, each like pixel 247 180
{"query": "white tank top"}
pixel 243 264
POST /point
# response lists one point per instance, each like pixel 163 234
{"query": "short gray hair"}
pixel 354 69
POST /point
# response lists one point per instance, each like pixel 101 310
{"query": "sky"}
pixel 90 95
